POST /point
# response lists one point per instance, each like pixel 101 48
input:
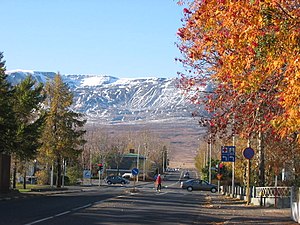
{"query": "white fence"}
pixel 295 204
pixel 278 197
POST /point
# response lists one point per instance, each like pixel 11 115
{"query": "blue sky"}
pixel 122 38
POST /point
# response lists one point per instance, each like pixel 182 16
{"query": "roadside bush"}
pixel 74 173
pixel 42 177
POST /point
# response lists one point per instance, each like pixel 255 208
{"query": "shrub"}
pixel 42 177
pixel 73 173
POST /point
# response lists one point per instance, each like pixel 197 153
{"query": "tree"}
pixel 62 136
pixel 27 99
pixel 250 48
pixel 118 148
pixel 249 52
pixel 7 128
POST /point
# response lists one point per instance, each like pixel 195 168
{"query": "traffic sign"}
pixel 228 153
pixel 248 153
pixel 219 176
pixel 135 171
pixel 87 174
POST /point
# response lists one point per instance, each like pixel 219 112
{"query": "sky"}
pixel 121 38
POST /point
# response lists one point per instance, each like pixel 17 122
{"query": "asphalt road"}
pixel 119 205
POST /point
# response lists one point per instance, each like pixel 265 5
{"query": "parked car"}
pixel 116 180
pixel 200 185
pixel 127 175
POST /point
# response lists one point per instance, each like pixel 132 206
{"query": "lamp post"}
pixel 233 170
pixel 138 162
pixel 145 157
pixel 205 122
pixel 209 165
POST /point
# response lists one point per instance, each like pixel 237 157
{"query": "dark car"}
pixel 116 180
pixel 200 185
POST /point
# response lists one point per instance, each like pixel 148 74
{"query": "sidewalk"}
pixel 15 194
pixel 237 211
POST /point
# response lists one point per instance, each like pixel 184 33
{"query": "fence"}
pixel 295 204
pixel 278 197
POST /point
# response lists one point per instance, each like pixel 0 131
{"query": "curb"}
pixel 35 193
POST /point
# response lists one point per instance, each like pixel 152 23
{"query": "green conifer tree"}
pixel 28 98
pixel 7 128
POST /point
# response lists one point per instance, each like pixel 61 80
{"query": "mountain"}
pixel 108 99
pixel 119 105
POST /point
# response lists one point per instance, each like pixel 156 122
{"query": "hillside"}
pixel 122 104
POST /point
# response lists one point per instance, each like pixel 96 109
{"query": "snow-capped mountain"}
pixel 110 99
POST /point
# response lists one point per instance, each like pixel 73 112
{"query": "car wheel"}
pixel 190 188
pixel 123 182
pixel 109 182
pixel 213 190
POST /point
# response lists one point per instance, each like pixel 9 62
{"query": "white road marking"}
pixel 81 207
pixel 75 209
pixel 61 214
pixel 41 220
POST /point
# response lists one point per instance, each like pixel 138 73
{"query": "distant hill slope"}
pixel 109 99
pixel 120 105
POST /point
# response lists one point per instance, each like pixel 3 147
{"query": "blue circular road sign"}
pixel 248 153
pixel 135 171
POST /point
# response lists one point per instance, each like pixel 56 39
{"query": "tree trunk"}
pixel 24 178
pixel 15 174
pixel 4 173
pixel 261 158
pixel 58 176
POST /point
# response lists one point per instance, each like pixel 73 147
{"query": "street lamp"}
pixel 138 162
pixel 145 157
pixel 205 122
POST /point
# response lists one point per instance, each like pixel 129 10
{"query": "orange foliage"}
pixel 250 50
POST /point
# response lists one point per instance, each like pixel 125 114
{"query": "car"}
pixel 116 180
pixel 200 185
pixel 127 175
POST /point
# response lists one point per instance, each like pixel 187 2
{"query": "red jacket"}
pixel 158 180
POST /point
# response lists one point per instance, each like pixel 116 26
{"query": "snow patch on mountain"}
pixel 108 99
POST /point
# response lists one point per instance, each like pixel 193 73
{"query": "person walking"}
pixel 158 183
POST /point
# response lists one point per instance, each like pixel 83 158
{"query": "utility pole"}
pixel 248 154
pixel 233 169
pixel 138 162
pixel 145 157
pixel 209 166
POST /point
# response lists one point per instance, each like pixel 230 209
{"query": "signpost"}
pixel 134 172
pixel 248 154
pixel 87 175
pixel 228 153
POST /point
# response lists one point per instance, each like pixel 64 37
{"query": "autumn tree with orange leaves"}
pixel 249 51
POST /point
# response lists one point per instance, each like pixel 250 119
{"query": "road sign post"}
pixel 248 154
pixel 87 177
pixel 228 153
pixel 134 172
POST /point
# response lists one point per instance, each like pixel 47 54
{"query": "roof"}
pixel 133 155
